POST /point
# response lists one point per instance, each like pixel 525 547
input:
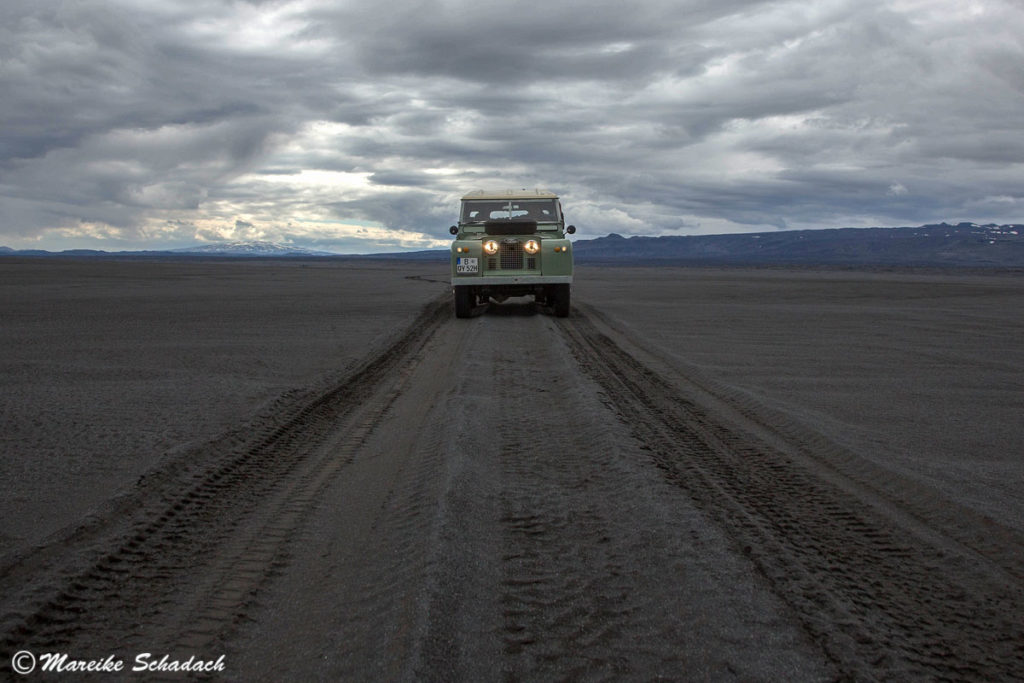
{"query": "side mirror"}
pixel 571 230
pixel 454 230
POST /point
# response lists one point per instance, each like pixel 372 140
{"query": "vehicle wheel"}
pixel 559 300
pixel 463 302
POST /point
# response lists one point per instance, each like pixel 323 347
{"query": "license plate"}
pixel 467 264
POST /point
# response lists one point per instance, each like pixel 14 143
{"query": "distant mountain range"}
pixel 964 244
pixel 238 249
pixel 942 244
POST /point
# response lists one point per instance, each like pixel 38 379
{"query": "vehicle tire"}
pixel 463 301
pixel 559 300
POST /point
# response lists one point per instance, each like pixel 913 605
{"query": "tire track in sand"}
pixel 883 601
pixel 607 572
pixel 180 570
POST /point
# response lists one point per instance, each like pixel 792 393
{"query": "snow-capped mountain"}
pixel 255 248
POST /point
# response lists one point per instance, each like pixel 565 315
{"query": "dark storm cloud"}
pixel 81 69
pixel 402 209
pixel 510 43
pixel 159 121
pixel 401 178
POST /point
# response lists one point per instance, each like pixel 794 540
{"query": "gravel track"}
pixel 522 496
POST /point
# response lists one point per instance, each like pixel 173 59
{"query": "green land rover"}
pixel 511 243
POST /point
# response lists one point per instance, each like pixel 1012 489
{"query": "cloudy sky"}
pixel 356 126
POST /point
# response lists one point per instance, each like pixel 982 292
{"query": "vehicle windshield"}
pixel 540 210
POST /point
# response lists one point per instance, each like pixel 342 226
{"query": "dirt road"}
pixel 522 496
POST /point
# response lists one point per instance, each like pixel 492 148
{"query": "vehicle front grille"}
pixel 510 254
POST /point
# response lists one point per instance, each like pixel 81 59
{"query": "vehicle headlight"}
pixel 491 247
pixel 532 246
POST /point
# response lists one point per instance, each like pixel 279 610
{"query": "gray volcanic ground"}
pixel 113 367
pixel 314 469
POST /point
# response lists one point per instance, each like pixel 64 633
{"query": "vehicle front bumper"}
pixel 492 280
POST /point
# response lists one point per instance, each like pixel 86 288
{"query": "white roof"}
pixel 510 194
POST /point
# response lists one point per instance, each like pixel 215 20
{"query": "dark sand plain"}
pixel 315 470
pixel 919 372
pixel 110 367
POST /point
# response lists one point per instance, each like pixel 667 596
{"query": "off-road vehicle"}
pixel 511 243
